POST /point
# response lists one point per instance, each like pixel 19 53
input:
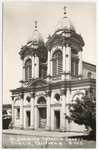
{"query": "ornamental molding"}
pixel 55 49
pixel 55 99
pixel 26 58
pixel 63 90
pixel 40 94
pixel 38 83
pixel 77 93
pixel 48 93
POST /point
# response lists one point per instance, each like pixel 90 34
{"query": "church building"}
pixel 53 75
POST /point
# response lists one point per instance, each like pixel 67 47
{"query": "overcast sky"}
pixel 18 25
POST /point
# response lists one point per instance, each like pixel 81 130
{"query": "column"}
pixel 80 63
pixel 32 112
pixel 63 110
pixel 21 112
pixel 68 60
pixel 68 100
pixel 36 117
pixel 33 67
pixel 64 63
pixel 36 66
pixel 12 110
pixel 51 68
pixel 23 71
pixel 49 57
pixel 48 123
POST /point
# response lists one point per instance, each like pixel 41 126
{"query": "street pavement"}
pixel 42 133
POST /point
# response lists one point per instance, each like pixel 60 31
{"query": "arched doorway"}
pixel 42 111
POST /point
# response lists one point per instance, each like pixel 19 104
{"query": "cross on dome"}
pixel 35 25
pixel 64 11
pixel 35 37
pixel 65 24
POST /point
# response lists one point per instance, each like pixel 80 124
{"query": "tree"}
pixel 83 111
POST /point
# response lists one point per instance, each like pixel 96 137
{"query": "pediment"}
pixel 77 39
pixel 54 39
pixel 38 83
pixel 25 50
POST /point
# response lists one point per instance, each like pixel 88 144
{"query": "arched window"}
pixel 57 63
pixel 41 100
pixel 28 69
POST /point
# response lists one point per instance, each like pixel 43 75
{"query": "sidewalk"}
pixel 41 133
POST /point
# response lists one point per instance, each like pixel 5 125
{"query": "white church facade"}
pixel 53 75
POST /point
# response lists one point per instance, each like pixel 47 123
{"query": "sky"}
pixel 18 25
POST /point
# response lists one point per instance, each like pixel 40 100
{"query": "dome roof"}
pixel 36 38
pixel 65 24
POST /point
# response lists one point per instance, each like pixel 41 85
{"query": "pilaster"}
pixel 21 112
pixel 12 110
pixel 68 100
pixel 32 126
pixel 63 110
pixel 68 61
pixel 80 63
pixel 64 63
pixel 33 66
pixel 36 66
pixel 23 70
pixel 49 64
pixel 48 123
pixel 36 117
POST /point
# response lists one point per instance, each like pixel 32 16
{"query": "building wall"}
pixel 87 68
pixel 55 106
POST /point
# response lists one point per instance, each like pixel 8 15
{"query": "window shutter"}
pixel 57 63
pixel 54 67
pixel 74 66
pixel 26 73
pixel 28 69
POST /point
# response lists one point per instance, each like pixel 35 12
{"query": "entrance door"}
pixel 42 117
pixel 28 118
pixel 57 119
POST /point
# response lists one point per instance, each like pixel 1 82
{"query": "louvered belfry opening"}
pixel 57 62
pixel 74 66
pixel 28 69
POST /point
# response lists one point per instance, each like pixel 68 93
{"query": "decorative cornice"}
pixel 57 85
pixel 83 82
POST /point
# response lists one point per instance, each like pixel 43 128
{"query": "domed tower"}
pixel 65 52
pixel 34 56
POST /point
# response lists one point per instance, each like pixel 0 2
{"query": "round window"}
pixel 28 99
pixel 57 97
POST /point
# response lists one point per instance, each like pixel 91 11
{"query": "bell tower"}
pixel 34 57
pixel 64 52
